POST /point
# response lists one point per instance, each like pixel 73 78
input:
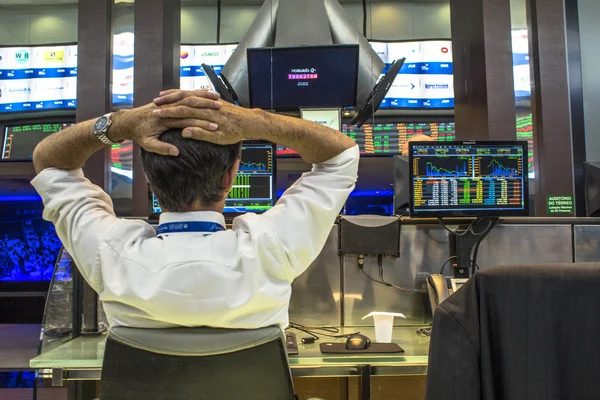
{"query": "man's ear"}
pixel 229 177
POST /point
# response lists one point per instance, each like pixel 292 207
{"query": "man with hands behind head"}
pixel 194 272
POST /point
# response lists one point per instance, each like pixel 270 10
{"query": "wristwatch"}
pixel 101 127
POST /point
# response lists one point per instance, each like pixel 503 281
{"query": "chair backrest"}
pixel 196 363
pixel 519 332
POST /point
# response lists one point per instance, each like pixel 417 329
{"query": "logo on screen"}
pixel 22 56
pixel 184 55
pixel 54 56
pixel 215 54
pixel 445 50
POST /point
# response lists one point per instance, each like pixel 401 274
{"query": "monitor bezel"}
pixel 471 213
pixel 4 125
pixel 279 49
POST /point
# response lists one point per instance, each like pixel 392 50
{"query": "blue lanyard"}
pixel 174 227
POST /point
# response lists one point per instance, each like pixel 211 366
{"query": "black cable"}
pixel 218 21
pixel 446 263
pixel 382 281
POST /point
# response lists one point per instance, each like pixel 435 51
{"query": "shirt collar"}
pixel 192 216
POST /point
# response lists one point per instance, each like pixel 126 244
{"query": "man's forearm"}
pixel 71 147
pixel 314 143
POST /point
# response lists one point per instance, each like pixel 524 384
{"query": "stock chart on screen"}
pixel 253 188
pixel 469 179
pixel 389 138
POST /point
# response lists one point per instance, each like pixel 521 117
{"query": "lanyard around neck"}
pixel 194 226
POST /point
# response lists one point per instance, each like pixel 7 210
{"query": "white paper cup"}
pixel 384 325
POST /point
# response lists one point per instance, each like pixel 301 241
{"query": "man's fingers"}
pixel 207 94
pixel 172 97
pixel 203 134
pixel 200 102
pixel 185 112
pixel 189 122
pixel 155 145
pixel 175 95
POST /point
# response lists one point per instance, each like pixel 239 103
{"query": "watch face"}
pixel 100 124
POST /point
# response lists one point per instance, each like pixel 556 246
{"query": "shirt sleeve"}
pixel 302 219
pixel 82 214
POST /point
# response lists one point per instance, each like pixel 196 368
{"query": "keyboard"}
pixel 291 343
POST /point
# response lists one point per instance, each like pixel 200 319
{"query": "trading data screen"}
pixel 469 179
pixel 19 141
pixel 389 138
pixel 254 186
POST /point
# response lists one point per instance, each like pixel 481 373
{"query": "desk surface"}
pixel 85 353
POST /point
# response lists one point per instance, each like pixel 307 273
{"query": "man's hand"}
pixel 145 126
pixel 185 110
pixel 315 143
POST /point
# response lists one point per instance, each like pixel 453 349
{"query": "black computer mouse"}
pixel 357 342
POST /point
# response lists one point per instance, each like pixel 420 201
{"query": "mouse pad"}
pixel 339 348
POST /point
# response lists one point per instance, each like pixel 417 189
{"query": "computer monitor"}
pixel 289 78
pixel 254 188
pixel 378 93
pixel 468 179
pixel 19 141
pixel 329 117
pixel 221 85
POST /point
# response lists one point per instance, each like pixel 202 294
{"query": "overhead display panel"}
pixel 425 80
pixel 38 78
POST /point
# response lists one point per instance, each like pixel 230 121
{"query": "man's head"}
pixel 199 178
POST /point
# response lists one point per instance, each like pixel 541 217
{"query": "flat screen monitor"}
pixel 425 81
pixel 468 179
pixel 290 78
pixel 19 141
pixel 38 78
pixel 29 246
pixel 254 188
pixel 388 137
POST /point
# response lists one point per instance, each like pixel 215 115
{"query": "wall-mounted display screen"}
pixel 389 138
pixel 38 78
pixel 425 80
pixel 122 74
pixel 525 132
pixel 20 140
pixel 289 78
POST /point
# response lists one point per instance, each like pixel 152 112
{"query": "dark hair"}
pixel 195 174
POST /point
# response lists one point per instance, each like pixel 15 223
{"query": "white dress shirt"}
pixel 236 278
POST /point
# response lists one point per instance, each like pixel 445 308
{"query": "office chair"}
pixel 519 332
pixel 196 363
